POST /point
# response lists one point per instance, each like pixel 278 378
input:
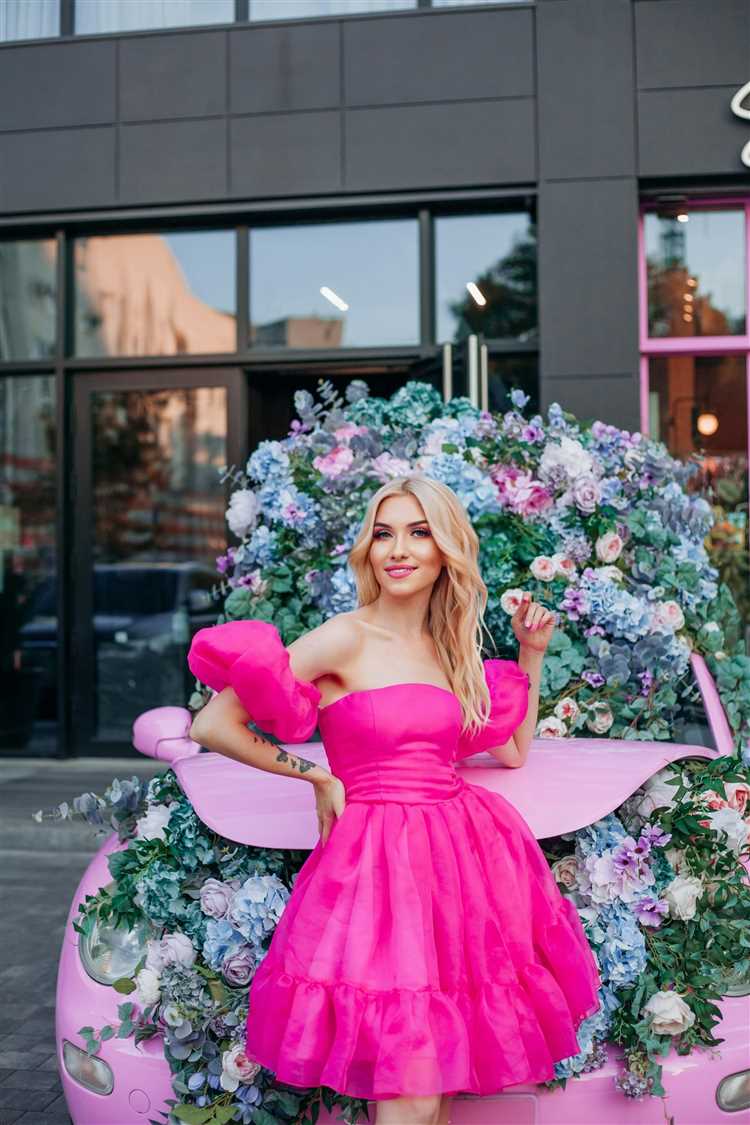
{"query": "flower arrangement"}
pixel 659 885
pixel 596 523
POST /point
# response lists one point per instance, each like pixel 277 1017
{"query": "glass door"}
pixel 148 525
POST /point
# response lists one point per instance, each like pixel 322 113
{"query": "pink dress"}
pixel 426 947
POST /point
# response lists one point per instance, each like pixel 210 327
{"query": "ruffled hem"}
pixel 386 1044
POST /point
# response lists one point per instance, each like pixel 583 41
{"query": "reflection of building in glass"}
pixel 27 299
pixel 676 307
pixel 299 332
pixel 132 298
pixel 155 474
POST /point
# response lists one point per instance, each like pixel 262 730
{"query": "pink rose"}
pixel 609 547
pixel 543 568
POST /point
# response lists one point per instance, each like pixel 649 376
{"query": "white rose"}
pixel 551 727
pixel 543 568
pixel 657 793
pixel 730 822
pixel 236 1067
pixel 682 894
pixel 151 825
pixel 669 1013
pixel 668 617
pixel 608 547
pixel 600 718
pixel 147 990
pixel 567 708
pixel 564 565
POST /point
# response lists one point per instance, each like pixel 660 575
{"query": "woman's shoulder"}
pixel 327 647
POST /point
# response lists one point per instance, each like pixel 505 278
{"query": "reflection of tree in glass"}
pixel 510 289
pixel 131 471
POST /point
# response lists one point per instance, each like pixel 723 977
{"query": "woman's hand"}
pixel 533 624
pixel 330 797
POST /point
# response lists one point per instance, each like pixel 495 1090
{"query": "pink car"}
pixel 592 777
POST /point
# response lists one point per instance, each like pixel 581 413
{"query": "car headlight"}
pixel 108 952
pixel 88 1070
pixel 733 1092
pixel 735 982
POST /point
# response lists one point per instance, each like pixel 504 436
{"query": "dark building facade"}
pixel 552 195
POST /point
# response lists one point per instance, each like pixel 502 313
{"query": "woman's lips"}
pixel 400 571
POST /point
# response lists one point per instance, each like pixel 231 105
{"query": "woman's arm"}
pixel 533 625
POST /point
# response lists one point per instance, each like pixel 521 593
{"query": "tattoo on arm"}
pixel 302 764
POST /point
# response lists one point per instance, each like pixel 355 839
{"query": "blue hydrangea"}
pixel 270 461
pixel 257 906
pixel 471 484
pixel 221 939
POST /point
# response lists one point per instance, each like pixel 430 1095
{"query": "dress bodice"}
pixel 394 743
pixel 398 742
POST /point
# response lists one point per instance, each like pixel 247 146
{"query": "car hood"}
pixel 564 785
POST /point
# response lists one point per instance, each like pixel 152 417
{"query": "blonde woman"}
pixel 426 949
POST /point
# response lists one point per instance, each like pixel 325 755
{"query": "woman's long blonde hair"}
pixel 459 596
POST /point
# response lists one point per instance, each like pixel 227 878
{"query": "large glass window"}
pixel 28 565
pixel 27 299
pixel 29 19
pixel 698 408
pixel 485 276
pixel 302 9
pixel 696 271
pixel 93 16
pixel 332 285
pixel 155 294
pixel 696 361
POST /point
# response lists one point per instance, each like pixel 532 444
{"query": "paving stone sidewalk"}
pixel 40 866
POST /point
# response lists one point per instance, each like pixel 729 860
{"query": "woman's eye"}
pixel 423 530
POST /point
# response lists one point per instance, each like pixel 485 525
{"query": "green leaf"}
pixel 124 985
pixel 193 1114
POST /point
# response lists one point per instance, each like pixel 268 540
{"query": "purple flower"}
pixel 655 834
pixel 574 603
pixel 650 910
pixel 595 679
pixel 239 966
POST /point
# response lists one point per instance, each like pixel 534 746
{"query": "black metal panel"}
pixel 49 85
pixel 610 398
pixel 57 168
pixel 172 76
pixel 285 153
pixel 285 68
pixel 690 132
pixel 586 89
pixel 692 42
pixel 454 144
pixel 588 277
pixel 173 160
pixel 439 56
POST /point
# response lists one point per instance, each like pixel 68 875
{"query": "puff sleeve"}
pixel 509 702
pixel 249 656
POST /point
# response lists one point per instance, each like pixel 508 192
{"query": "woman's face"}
pixel 401 536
